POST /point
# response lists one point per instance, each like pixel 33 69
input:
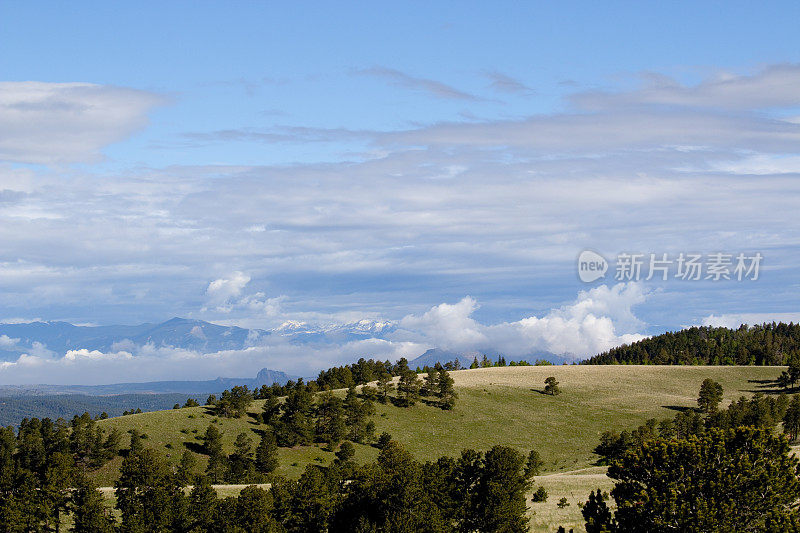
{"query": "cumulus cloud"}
pixel 597 320
pixel 8 342
pixel 225 294
pixel 221 291
pixel 67 122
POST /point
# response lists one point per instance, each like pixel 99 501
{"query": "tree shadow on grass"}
pixel 681 408
pixel 195 447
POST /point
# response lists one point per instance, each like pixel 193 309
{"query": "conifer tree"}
pixel 385 386
pixel 330 427
pixel 217 462
pixel 446 393
pixel 430 383
pixel 710 395
pixel 240 462
pixel 791 419
pixel 272 408
pixel 89 514
pixel 267 453
pixel 551 386
pixel 408 387
pixel 187 468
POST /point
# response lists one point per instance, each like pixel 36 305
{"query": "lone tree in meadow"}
pixel 710 395
pixel 551 386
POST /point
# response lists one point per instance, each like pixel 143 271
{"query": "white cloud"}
pixel 225 295
pixel 8 342
pixel 221 291
pixel 734 320
pixel 599 319
pixel 67 122
pixel 774 86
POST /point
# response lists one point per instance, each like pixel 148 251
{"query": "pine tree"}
pixel 330 426
pixel 752 466
pixel 217 462
pixel 794 368
pixel 89 514
pixel 446 393
pixel 791 419
pixel 597 514
pixel 148 495
pixel 499 503
pixel 474 364
pixel 272 408
pixel 253 512
pixel 297 424
pixel 267 453
pixel 533 465
pixel 430 383
pixel 710 395
pixel 203 504
pixel 408 387
pixel 551 386
pixel 240 462
pixel 186 468
pixel 385 386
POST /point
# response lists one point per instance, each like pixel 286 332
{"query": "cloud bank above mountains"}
pixel 597 320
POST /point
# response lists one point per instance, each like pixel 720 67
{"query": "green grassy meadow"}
pixel 504 405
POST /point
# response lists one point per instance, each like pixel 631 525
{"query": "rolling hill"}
pixel 500 405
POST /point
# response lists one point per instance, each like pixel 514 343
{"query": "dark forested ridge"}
pixel 765 344
pixel 14 408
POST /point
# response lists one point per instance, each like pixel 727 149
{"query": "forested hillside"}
pixel 765 344
pixel 54 406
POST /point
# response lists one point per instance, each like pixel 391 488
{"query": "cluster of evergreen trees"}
pixel 760 411
pixel 765 344
pixel 475 492
pixel 42 471
pixel 719 480
pixel 708 469
pixel 244 465
pixel 485 362
pixel 300 420
pixel 366 371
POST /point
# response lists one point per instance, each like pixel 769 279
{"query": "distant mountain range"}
pixel 437 355
pixel 197 388
pixel 188 334
pixel 55 339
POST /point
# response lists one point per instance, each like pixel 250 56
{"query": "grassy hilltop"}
pixel 501 405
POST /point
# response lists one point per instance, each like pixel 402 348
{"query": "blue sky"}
pixel 260 163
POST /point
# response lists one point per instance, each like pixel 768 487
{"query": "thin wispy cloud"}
pixel 401 79
pixel 506 84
